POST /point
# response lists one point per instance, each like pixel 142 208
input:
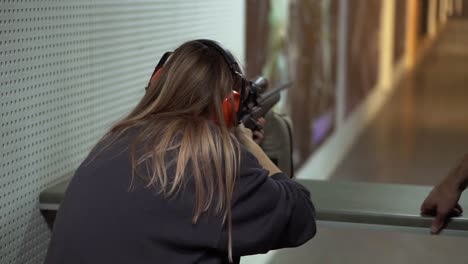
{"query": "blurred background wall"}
pixel 299 45
pixel 306 34
pixel 362 50
pixel 300 40
pixel 400 30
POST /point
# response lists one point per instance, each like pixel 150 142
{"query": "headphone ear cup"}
pixel 231 106
pixel 155 76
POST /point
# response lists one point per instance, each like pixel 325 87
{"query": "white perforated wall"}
pixel 70 68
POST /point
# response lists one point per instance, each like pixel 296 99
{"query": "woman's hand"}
pixel 258 136
pixel 246 136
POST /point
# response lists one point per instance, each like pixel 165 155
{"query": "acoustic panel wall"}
pixel 68 70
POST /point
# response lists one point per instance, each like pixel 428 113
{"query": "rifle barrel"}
pixel 273 92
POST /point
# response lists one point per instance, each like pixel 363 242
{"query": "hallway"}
pixel 422 130
pixel 416 138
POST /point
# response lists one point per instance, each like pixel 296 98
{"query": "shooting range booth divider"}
pixel 387 207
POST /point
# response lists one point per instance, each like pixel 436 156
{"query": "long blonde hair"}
pixel 176 115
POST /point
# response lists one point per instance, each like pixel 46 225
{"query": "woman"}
pixel 173 183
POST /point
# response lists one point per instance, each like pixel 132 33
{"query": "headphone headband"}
pixel 227 55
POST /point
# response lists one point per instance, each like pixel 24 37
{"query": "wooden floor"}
pixel 422 131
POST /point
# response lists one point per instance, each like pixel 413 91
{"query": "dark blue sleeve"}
pixel 268 212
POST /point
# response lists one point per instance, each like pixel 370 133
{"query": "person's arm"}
pixel 245 137
pixel 267 212
pixel 443 199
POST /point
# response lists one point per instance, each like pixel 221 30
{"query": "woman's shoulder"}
pixel 110 146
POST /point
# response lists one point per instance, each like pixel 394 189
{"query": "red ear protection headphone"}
pixel 232 102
